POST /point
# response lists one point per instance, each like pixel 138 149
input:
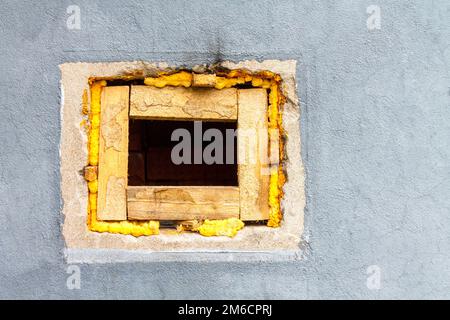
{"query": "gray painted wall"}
pixel 375 126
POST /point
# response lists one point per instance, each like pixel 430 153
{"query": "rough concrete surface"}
pixel 375 142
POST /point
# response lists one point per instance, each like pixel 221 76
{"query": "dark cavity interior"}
pixel 150 163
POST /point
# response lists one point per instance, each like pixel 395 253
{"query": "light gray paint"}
pixel 375 130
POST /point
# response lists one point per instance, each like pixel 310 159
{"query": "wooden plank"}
pixel 113 154
pixel 253 154
pixel 177 103
pixel 182 202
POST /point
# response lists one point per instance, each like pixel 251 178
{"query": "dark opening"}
pixel 150 163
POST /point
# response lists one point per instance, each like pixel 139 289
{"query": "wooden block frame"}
pixel 248 202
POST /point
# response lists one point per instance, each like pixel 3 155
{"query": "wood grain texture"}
pixel 113 154
pixel 253 173
pixel 182 203
pixel 176 103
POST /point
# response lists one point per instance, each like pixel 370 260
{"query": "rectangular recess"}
pixel 182 203
pixel 179 103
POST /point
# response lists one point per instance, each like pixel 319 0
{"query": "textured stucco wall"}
pixel 375 127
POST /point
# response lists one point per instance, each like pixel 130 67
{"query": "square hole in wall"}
pixel 133 183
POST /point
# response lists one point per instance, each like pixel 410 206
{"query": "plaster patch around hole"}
pixel 86 246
